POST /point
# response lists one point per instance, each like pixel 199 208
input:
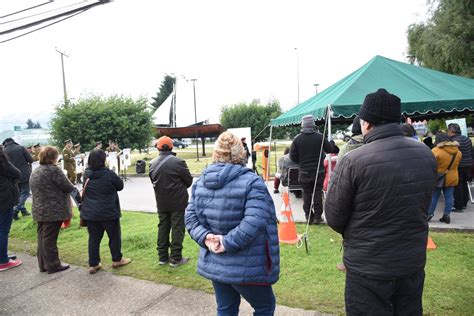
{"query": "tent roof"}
pixel 421 90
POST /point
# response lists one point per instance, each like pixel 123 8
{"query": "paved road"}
pixel 138 196
pixel 26 291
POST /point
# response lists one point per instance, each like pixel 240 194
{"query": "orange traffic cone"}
pixel 287 227
pixel 430 245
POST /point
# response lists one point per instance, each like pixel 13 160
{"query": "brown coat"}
pixel 444 154
pixel 50 189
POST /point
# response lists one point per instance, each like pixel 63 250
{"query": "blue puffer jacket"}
pixel 232 201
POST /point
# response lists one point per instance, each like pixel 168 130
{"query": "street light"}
pixel 316 87
pixel 195 118
pixel 298 73
pixel 64 75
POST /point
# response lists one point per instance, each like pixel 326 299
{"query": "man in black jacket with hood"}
pixel 378 200
pixel 171 178
pixel 305 150
pixel 22 160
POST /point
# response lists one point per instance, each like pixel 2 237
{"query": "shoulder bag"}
pixel 441 177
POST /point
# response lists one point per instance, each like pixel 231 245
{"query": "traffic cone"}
pixel 430 245
pixel 287 227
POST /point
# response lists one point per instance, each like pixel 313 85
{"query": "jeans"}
pixel 5 224
pixel 399 296
pixel 24 195
pixel 228 298
pixel 96 232
pixel 170 222
pixel 448 200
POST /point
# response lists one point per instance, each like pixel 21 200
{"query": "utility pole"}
pixel 64 75
pixel 195 118
pixel 316 87
pixel 298 73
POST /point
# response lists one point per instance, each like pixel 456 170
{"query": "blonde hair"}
pixel 228 148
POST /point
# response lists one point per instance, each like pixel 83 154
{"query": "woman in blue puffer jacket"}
pixel 232 217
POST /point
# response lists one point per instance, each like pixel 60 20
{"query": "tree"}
pixel 166 89
pixel 446 41
pixel 31 125
pixel 255 116
pixel 95 118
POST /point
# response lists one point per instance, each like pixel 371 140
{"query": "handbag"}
pixel 441 177
pixel 83 222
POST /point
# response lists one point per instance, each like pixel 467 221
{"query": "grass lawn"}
pixel 308 281
pixel 196 167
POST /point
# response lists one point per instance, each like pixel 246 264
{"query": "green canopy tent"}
pixel 423 92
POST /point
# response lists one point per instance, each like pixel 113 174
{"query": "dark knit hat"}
pixel 356 129
pixel 381 107
pixel 307 121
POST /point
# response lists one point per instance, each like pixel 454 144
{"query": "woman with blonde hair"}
pixel 232 217
pixel 51 206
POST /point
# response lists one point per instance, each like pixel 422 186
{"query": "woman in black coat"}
pixel 101 210
pixel 9 196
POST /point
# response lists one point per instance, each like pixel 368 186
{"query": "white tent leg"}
pixel 269 151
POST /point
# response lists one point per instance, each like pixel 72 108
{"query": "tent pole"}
pixel 269 151
pixel 329 139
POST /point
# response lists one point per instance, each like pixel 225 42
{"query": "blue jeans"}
pixel 24 195
pixel 448 200
pixel 228 298
pixel 5 224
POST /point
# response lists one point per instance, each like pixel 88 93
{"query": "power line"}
pixel 45 26
pixel 33 7
pixel 41 13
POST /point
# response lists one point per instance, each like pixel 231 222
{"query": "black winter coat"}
pixel 20 158
pixel 9 194
pixel 305 150
pixel 170 183
pixel 378 199
pixel 100 199
pixel 465 146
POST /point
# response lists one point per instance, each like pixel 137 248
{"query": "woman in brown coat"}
pixel 51 206
pixel 445 151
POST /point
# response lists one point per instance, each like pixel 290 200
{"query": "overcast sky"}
pixel 237 50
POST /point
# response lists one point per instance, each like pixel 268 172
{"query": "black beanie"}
pixel 381 107
pixel 356 129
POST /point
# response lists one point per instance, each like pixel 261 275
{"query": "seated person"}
pixel 284 163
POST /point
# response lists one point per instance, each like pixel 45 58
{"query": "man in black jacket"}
pixel 461 191
pixel 171 178
pixel 305 150
pixel 378 200
pixel 22 160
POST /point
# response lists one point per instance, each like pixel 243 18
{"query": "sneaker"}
pixel 457 210
pixel 175 264
pixel 15 217
pixel 94 270
pixel 11 256
pixel 163 262
pixel 276 191
pixel 122 262
pixel 445 219
pixel 317 221
pixel 25 213
pixel 10 264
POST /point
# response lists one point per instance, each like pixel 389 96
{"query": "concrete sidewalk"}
pixel 138 195
pixel 26 291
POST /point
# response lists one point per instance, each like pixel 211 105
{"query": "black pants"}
pixel 461 191
pixel 366 296
pixel 308 188
pixel 96 232
pixel 47 252
pixel 170 222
